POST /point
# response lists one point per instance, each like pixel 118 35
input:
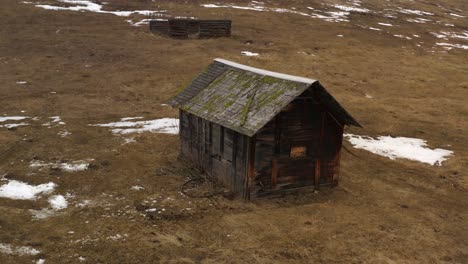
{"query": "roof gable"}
pixel 244 98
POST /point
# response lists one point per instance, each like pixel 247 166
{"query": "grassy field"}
pixel 127 207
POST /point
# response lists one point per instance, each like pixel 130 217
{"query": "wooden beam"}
pixel 317 174
pixel 274 173
pixel 317 162
pixel 250 167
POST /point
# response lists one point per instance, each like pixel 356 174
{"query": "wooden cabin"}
pixel 191 28
pixel 261 133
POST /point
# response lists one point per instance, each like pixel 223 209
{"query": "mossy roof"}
pixel 244 98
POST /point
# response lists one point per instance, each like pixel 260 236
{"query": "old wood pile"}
pixel 191 28
pixel 261 133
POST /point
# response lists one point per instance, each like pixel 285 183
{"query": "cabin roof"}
pixel 245 99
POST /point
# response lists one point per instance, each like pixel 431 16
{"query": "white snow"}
pixel 40 261
pixel 352 9
pixel 327 16
pixel 14 125
pixel 137 188
pixel 456 15
pixel 385 24
pixel 130 118
pixel 400 147
pixel 85 5
pixel 268 73
pixel 58 202
pixel 254 8
pixel 414 12
pixel 21 251
pixel 402 36
pixel 418 20
pixel 376 29
pixel 71 166
pixel 21 82
pixel 23 191
pixel 450 46
pixel 56 120
pixel 139 23
pixel 64 133
pixel 129 140
pixel 163 125
pixel 249 54
pixel 15 118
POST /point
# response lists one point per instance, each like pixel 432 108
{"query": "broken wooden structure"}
pixel 191 28
pixel 261 133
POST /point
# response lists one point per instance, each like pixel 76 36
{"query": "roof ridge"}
pixel 266 72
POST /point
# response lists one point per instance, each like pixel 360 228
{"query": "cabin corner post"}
pixel 336 173
pixel 250 166
pixel 318 161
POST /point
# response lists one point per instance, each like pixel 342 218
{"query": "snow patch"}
pixel 163 125
pixel 85 5
pixel 14 125
pixel 450 46
pixel 414 12
pixel 137 188
pixel 352 9
pixel 64 133
pixel 14 118
pixel 400 147
pixel 21 82
pixel 22 191
pixel 21 251
pixel 385 24
pixel 249 54
pixel 56 120
pixel 71 166
pixel 58 202
pixel 456 15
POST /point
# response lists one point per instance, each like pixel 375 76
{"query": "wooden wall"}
pixel 219 152
pixel 314 136
pixel 191 28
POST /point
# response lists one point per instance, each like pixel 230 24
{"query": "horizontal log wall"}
pixel 191 28
pixel 304 124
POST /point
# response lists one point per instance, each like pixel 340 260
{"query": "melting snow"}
pixel 64 133
pixel 376 29
pixel 15 118
pixel 456 15
pixel 21 82
pixel 56 120
pixel 85 5
pixel 400 147
pixel 352 9
pixel 14 125
pixel 72 166
pixel 385 24
pixel 164 125
pixel 250 54
pixel 12 250
pixel 139 23
pixel 137 188
pixel 450 46
pixel 40 261
pixel 58 202
pixel 414 12
pixel 23 191
pixel 418 20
